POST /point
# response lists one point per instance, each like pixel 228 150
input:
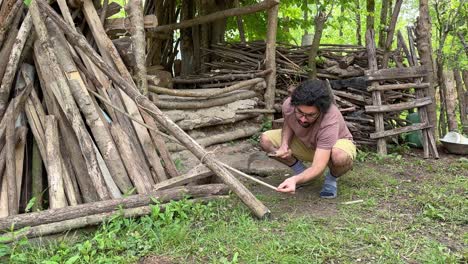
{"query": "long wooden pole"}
pixel 90 220
pixel 270 56
pixel 78 40
pixel 71 212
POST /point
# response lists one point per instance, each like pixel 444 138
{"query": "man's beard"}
pixel 305 124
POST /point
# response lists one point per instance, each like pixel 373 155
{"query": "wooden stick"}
pixel 7 81
pixel 56 191
pixel 137 31
pixel 376 95
pixel 7 46
pixel 240 173
pixel 206 103
pixel 228 77
pixel 19 160
pixel 211 93
pixel 243 132
pixel 254 204
pixel 270 57
pixel 11 166
pixel 197 173
pixel 141 178
pixel 72 212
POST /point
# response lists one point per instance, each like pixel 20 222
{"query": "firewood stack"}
pixel 75 131
pixel 342 65
pixel 55 102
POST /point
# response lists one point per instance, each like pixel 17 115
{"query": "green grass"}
pixel 420 216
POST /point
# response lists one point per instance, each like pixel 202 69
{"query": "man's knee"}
pixel 340 158
pixel 265 142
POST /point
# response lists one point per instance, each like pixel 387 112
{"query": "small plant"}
pixel 179 164
pixel 266 125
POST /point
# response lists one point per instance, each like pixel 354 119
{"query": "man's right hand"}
pixel 283 153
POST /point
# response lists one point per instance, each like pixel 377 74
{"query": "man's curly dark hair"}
pixel 312 93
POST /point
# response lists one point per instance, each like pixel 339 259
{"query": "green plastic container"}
pixel 414 138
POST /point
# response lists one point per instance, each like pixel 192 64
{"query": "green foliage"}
pixel 417 218
pixel 27 2
pixel 179 164
pixel 266 125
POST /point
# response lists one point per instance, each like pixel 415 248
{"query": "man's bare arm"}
pixel 320 162
pixel 286 136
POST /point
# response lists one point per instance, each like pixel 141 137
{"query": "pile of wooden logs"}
pixel 214 114
pixel 76 135
pixel 343 65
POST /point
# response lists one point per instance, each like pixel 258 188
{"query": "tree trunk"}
pixel 186 44
pixel 383 23
pixel 370 7
pixel 461 99
pixel 450 99
pixel 358 23
pixel 423 41
pixel 320 20
pixel 240 24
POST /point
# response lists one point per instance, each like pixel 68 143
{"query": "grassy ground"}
pixel 413 211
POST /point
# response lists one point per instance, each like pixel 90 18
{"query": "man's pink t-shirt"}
pixel 323 133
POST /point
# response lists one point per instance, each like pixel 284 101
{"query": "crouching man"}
pixel 313 130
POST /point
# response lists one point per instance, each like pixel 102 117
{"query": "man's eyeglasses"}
pixel 308 116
